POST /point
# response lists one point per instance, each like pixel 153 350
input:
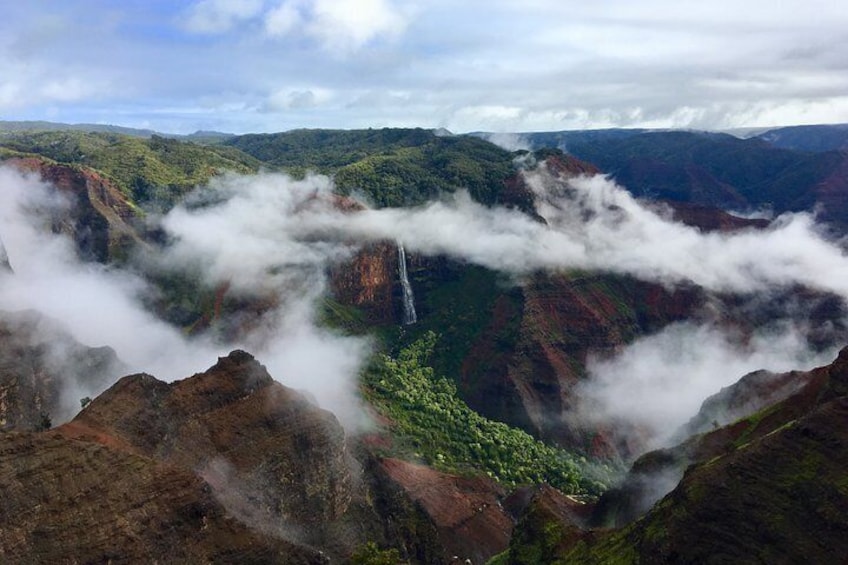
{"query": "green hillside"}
pixel 156 170
pixel 430 421
pixel 392 167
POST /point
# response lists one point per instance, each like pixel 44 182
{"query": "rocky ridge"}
pixel 767 487
pixel 232 465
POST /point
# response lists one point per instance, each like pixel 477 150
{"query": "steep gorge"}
pixel 766 487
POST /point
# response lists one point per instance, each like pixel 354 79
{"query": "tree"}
pixel 370 554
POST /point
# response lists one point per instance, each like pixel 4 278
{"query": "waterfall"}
pixel 409 315
pixel 4 258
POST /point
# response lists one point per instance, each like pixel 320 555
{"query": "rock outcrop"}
pixel 100 219
pixel 369 282
pixel 549 523
pixel 44 372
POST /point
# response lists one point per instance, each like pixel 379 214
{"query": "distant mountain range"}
pixel 821 137
pixel 817 138
pixel 32 126
pixel 781 170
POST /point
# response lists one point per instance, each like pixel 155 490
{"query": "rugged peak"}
pixel 232 377
pixel 236 358
pixel 242 366
pixel 840 365
pixel 138 380
pixel 261 446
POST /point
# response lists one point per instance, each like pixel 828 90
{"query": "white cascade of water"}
pixel 409 315
pixel 4 258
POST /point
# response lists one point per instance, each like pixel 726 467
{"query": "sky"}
pixel 504 66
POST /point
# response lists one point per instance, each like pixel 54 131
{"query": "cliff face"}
pixel 368 281
pixel 100 218
pixel 755 406
pixel 43 372
pixel 523 367
pixel 766 488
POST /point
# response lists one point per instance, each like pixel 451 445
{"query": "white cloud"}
pixel 238 242
pixel 22 85
pixel 509 141
pixel 283 19
pixel 297 99
pixel 591 224
pixel 337 25
pixel 343 24
pixel 468 66
pixel 219 16
pixel 655 385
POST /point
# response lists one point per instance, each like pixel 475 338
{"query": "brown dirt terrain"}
pixel 469 520
pixel 69 501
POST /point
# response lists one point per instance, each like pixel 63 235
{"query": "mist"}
pixel 591 224
pixel 97 305
pixel 103 306
pixel 509 141
pixel 269 235
pixel 654 385
pixel 657 384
